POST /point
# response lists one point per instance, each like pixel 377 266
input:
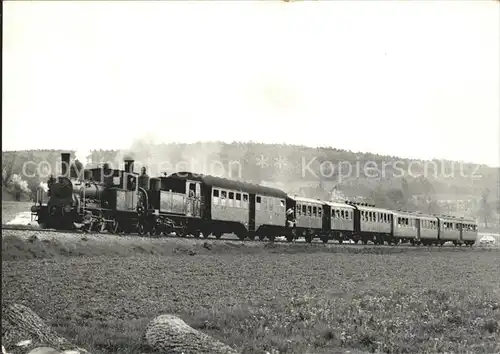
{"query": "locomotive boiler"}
pixel 93 199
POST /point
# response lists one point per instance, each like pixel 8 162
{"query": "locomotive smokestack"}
pixel 64 163
pixel 129 165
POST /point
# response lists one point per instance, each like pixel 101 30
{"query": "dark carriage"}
pixel 196 203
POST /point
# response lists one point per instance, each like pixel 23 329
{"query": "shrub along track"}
pixel 233 238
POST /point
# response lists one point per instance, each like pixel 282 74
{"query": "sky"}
pixel 412 79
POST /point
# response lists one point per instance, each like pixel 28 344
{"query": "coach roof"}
pixel 339 205
pixel 225 183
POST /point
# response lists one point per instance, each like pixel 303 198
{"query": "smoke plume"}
pixel 82 155
pixel 44 186
pixel 19 184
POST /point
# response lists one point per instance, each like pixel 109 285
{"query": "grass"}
pixel 258 298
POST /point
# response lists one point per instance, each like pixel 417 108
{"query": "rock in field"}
pixel 170 334
pixel 23 331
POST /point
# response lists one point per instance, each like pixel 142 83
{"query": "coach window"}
pixel 245 201
pixel 258 202
pixel 308 210
pixel 304 212
pixel 314 211
pixel 216 197
pixel 223 197
pixel 231 199
pixel 320 211
pixel 264 204
pixel 282 203
pixel 237 202
pixel 270 204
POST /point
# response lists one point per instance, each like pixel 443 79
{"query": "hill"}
pixel 388 181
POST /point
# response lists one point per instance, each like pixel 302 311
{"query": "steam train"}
pixel 114 200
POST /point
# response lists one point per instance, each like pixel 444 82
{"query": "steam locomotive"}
pixel 114 200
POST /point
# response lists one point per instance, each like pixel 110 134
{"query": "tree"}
pixel 484 207
pixel 8 169
pixel 397 197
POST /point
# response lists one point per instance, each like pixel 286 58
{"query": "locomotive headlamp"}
pixel 34 208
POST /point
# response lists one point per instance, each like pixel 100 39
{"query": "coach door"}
pixel 193 199
pixel 251 210
pixel 418 225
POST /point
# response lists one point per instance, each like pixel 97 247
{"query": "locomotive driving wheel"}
pixel 114 226
pixel 140 229
pixel 100 223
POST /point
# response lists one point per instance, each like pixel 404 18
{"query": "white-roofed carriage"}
pixel 340 217
pixel 459 231
pixel 308 215
pixel 373 224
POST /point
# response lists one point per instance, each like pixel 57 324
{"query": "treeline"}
pixel 388 181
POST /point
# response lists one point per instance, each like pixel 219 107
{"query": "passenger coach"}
pixel 225 206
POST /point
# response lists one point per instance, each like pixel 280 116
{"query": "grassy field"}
pixel 290 298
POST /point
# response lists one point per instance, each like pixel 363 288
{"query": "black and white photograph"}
pixel 251 177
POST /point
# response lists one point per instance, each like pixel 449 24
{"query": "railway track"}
pixel 227 238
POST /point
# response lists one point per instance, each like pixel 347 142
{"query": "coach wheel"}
pixel 289 238
pixel 218 235
pixel 308 238
pixel 365 242
pixel 325 239
pixel 356 242
pixel 341 241
pixel 271 238
pixel 205 233
pixel 251 236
